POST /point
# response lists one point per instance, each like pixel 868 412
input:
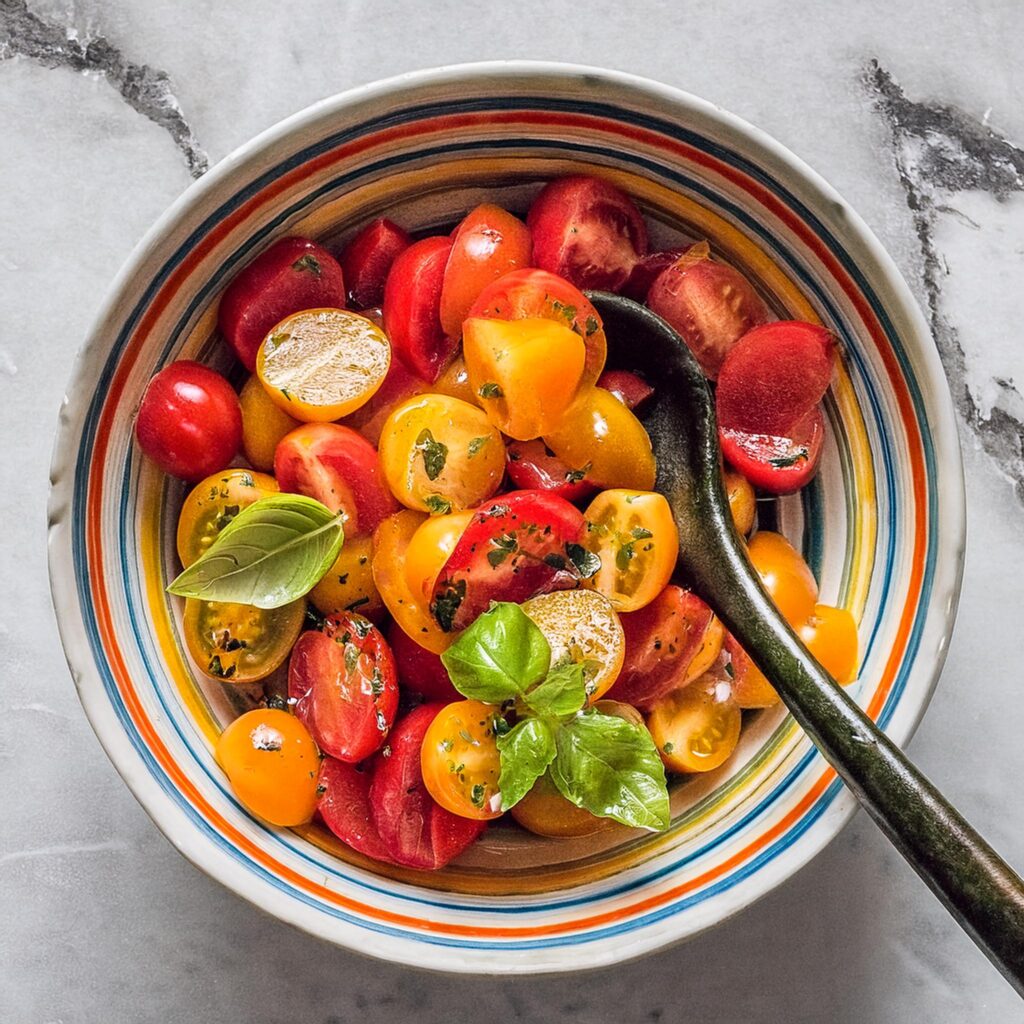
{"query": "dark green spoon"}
pixel 978 888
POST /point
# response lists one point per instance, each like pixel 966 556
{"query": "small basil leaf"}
pixel 499 657
pixel 564 691
pixel 272 553
pixel 526 752
pixel 611 768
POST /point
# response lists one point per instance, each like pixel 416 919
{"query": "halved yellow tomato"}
pixel 348 585
pixel 429 547
pixel 545 812
pixel 696 728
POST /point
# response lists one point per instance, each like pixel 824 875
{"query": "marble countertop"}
pixel 109 108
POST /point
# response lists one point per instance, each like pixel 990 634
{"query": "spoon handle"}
pixel 977 886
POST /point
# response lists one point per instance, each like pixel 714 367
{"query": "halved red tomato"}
pixel 646 271
pixel 533 466
pixel 515 546
pixel 777 464
pixel 345 808
pixel 368 257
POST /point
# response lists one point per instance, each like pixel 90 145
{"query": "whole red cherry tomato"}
pixel 587 230
pixel 533 466
pixel 419 670
pixel 189 422
pixel 292 275
pixel 367 258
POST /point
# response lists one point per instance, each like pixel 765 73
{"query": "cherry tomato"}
pixel 777 464
pixel 416 830
pixel 345 807
pixel 212 504
pixel 263 424
pixel 536 294
pixel 411 611
pixel 429 549
pixel 710 304
pixel 742 501
pixel 750 688
pixel 635 537
pixel 632 391
pixel 348 585
pixel 398 385
pixel 526 373
pixel 582 627
pixel 785 575
pixel 293 274
pixel 514 547
pixel 419 670
pixel 488 243
pixel 455 382
pixel 189 422
pixel 440 453
pixel 665 642
pixel 646 270
pixel 602 436
pixel 831 636
pixel 460 761
pixel 343 681
pixel 545 812
pixel 368 257
pixel 239 643
pixel 412 308
pixel 696 729
pixel 320 364
pixel 588 231
pixel 272 764
pixel 338 467
pixel 533 466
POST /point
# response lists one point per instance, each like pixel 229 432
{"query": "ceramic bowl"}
pixel 882 526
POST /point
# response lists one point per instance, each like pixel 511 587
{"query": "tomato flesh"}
pixel 777 464
pixel 647 270
pixel 533 466
pixel 292 275
pixel 367 258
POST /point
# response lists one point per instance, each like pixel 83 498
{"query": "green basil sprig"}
pixel 600 762
pixel 272 553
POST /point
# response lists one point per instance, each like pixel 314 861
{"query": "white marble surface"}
pixel 107 106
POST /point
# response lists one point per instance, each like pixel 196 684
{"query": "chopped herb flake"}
pixel 307 262
pixel 490 390
pixel 435 454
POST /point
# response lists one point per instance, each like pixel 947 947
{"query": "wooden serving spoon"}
pixel 977 887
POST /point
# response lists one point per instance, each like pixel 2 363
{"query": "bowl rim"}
pixel 158 805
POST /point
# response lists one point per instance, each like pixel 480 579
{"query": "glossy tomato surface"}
pixel 533 466
pixel 629 388
pixel 345 807
pixel 367 259
pixel 420 671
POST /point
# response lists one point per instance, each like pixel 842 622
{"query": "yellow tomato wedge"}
pixel 696 728
pixel 322 364
pixel 348 585
pixel 581 626
pixel 525 373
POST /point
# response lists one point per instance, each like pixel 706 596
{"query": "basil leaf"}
pixel 526 752
pixel 564 691
pixel 272 553
pixel 611 768
pixel 499 657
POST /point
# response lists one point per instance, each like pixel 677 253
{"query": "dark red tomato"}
pixel 338 467
pixel 587 230
pixel 367 258
pixel 189 422
pixel 515 546
pixel 632 391
pixel 419 670
pixel 292 275
pixel 647 269
pixel 416 831
pixel 345 685
pixel 711 305
pixel 412 308
pixel 533 466
pixel 662 640
pixel 488 243
pixel 779 464
pixel 774 376
pixel 345 807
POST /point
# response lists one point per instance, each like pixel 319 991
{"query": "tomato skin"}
pixel 663 640
pixel 189 422
pixel 588 231
pixel 263 424
pixel 742 501
pixel 476 573
pixel 632 391
pixel 710 304
pixel 750 688
pixel 420 671
pixel 646 271
pixel 412 308
pixel 696 728
pixel 531 466
pixel 345 686
pixel 338 467
pixel 778 465
pixel 785 575
pixel 345 807
pixel 487 243
pixel 348 585
pixel 415 829
pixel 367 258
pixel 293 274
pixel 831 636
pixel 545 812
pixel 397 386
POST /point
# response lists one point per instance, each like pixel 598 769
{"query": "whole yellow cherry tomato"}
pixel 601 435
pixel 440 454
pixel 831 636
pixel 696 728
pixel 263 424
pixel 635 536
pixel 742 502
pixel 348 585
pixel 545 812
pixel 785 575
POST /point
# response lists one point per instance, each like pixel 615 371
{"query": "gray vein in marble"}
pixel 939 149
pixel 145 89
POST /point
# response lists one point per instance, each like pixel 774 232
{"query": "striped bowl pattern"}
pixel 882 526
